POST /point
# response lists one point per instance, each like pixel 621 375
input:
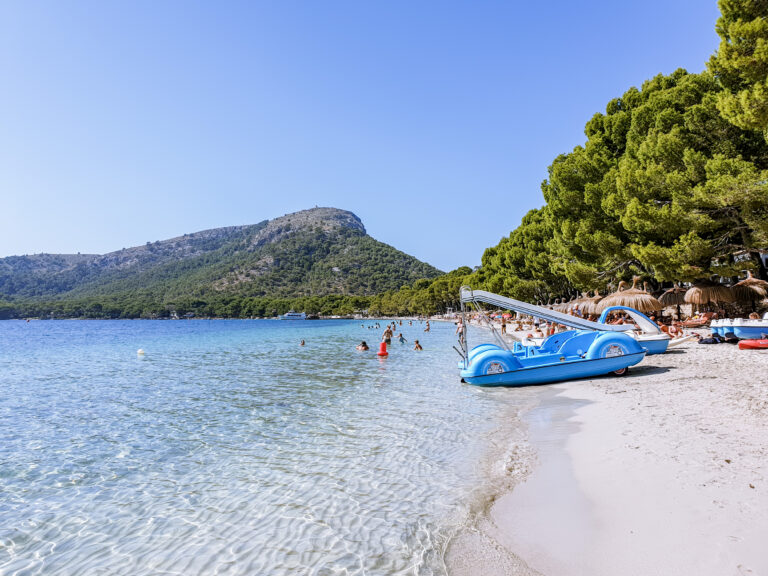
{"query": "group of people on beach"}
pixel 538 328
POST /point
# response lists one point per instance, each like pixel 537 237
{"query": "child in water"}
pixel 362 346
pixel 401 338
pixel 417 346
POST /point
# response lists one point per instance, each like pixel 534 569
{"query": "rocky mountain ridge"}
pixel 316 251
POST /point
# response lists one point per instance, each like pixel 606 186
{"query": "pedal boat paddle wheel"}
pixel 589 349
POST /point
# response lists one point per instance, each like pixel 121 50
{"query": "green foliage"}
pixel 215 306
pixel 664 187
pixel 520 266
pixel 671 191
pixel 741 62
pixel 424 297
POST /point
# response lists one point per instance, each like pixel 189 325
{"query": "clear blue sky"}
pixel 127 122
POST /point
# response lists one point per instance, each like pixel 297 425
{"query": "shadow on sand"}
pixel 646 371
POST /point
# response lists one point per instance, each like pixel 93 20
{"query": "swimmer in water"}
pixel 362 346
pixel 302 343
pixel 401 338
pixel 427 328
pixel 416 345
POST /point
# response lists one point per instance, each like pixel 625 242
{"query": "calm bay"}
pixel 228 448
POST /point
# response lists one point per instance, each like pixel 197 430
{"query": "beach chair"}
pixel 701 322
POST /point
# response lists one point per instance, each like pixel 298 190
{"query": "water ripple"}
pixel 229 449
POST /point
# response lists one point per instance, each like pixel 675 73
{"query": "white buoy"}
pixel 140 352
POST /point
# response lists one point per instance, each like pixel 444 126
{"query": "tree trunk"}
pixel 762 272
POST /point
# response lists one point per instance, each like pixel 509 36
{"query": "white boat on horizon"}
pixel 294 316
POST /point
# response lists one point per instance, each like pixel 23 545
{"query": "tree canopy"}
pixel 669 185
pixel 741 62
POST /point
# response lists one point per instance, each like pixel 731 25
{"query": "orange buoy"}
pixel 382 350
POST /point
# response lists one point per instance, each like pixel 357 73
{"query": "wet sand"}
pixel 662 471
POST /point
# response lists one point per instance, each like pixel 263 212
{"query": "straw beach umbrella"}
pixel 708 292
pixel 580 302
pixel 564 305
pixel 675 296
pixel 750 289
pixel 612 298
pixel 632 297
pixel 590 306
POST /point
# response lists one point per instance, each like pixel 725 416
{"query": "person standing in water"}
pixel 401 338
pixel 416 345
pixel 427 328
pixel 460 330
pixel 387 336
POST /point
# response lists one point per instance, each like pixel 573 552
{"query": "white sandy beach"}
pixel 663 471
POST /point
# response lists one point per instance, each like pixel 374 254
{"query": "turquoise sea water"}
pixel 230 449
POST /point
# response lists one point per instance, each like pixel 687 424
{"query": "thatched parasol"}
pixel 633 297
pixel 708 292
pixel 580 302
pixel 675 296
pixel 750 289
pixel 590 306
pixel 611 299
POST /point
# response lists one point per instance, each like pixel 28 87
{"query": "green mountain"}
pixel 317 252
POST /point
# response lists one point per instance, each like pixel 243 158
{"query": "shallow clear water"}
pixel 230 449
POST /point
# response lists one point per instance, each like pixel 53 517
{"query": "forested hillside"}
pixel 310 258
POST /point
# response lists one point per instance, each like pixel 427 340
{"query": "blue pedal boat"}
pixel 564 356
pixel 592 349
pixel 741 328
pixel 721 327
pixel 748 329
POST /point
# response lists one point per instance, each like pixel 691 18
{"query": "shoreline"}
pixel 508 459
pixel 661 471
